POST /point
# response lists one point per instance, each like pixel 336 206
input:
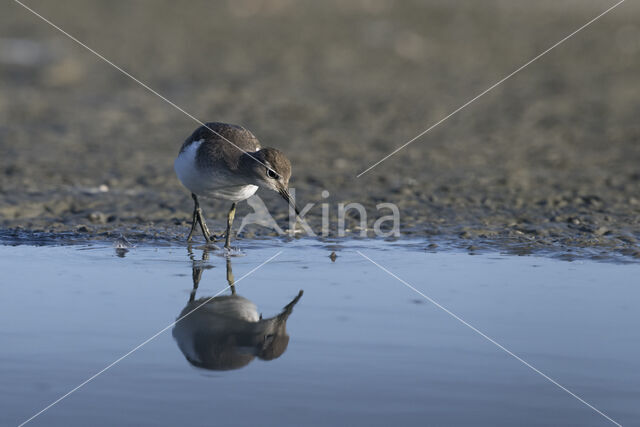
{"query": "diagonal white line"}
pixel 491 340
pixel 153 91
pixel 136 348
pixel 493 86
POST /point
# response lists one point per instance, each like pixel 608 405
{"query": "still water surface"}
pixel 357 347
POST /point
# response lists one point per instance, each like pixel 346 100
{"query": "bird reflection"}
pixel 227 332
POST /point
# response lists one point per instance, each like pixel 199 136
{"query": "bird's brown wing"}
pixel 222 142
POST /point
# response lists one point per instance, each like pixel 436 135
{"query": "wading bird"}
pixel 227 332
pixel 226 161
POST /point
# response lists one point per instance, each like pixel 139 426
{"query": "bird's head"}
pixel 273 170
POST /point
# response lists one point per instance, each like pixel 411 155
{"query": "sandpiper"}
pixel 227 331
pixel 226 161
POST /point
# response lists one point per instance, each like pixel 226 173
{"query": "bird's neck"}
pixel 248 164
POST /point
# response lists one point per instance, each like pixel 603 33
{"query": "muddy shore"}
pixel 548 161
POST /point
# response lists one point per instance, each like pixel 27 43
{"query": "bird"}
pixel 227 332
pixel 225 161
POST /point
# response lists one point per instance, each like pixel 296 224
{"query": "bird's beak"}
pixel 284 192
pixel 286 311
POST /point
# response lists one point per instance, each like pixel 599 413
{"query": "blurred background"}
pixel 553 152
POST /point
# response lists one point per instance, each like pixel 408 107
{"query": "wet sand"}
pixel 546 162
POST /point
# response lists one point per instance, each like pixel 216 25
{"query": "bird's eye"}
pixel 272 174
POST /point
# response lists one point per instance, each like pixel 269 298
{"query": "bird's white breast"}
pixel 215 183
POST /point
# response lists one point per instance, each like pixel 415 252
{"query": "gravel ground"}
pixel 547 161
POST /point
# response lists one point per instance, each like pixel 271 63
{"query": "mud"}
pixel 546 162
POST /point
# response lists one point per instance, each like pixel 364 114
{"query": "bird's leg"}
pixel 194 221
pixel 197 275
pixel 230 216
pixel 199 218
pixel 230 279
pixel 205 229
pixel 197 269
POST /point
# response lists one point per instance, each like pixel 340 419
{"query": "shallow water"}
pixel 363 348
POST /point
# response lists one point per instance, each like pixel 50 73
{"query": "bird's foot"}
pixel 216 237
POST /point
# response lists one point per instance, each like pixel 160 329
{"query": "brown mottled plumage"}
pixel 226 161
pixel 215 148
pixel 227 332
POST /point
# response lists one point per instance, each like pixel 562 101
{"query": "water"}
pixel 362 347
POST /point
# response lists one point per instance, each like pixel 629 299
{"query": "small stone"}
pixel 122 243
pixel 341 164
pixel 601 231
pixel 410 182
pixel 97 217
pixel 82 229
pixel 121 252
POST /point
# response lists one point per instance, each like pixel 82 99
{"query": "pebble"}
pixel 573 220
pixel 97 217
pixel 601 231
